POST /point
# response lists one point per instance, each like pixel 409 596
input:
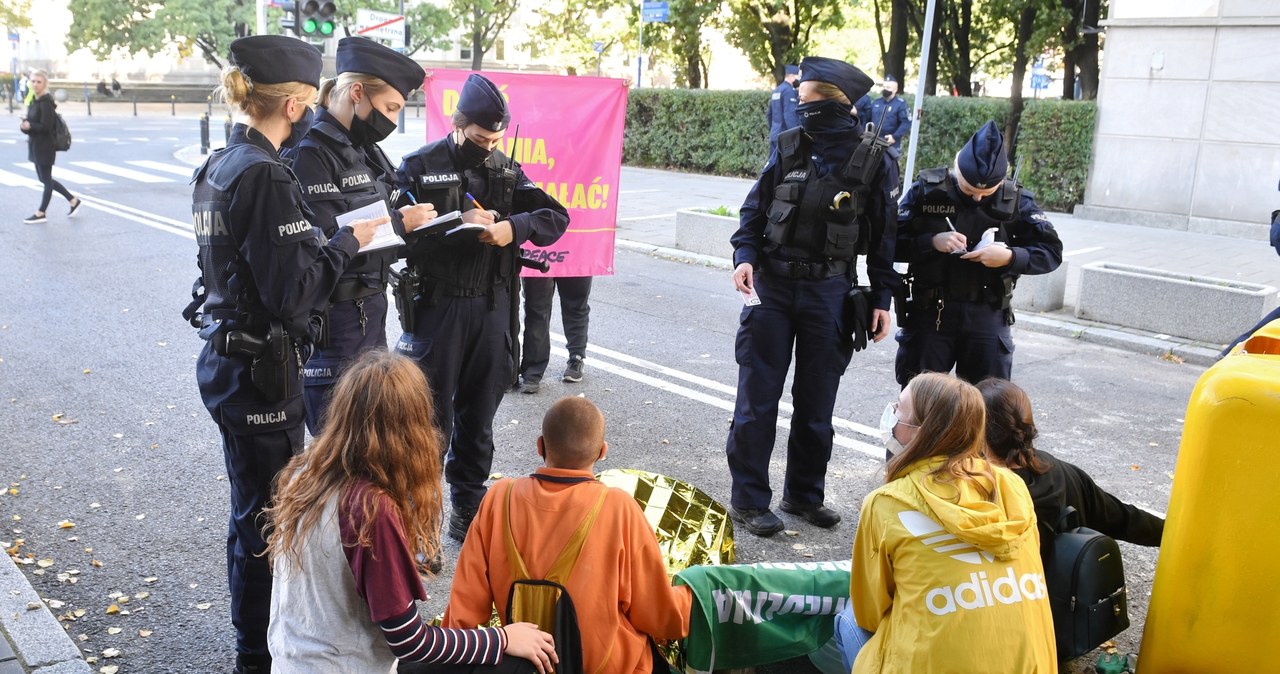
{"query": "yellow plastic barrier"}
pixel 1215 605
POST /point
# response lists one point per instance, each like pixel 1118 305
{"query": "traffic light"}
pixel 288 22
pixel 314 18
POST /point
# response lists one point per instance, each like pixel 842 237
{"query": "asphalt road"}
pixel 102 425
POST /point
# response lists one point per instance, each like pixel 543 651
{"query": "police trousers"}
pixel 258 439
pixel 804 314
pixel 972 337
pixel 575 315
pixel 355 326
pixel 464 347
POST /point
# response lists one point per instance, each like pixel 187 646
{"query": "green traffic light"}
pixel 326 28
pixel 309 26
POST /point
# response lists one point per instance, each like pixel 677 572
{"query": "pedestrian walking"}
pixel 39 124
pixel 575 315
pixel 967 234
pixel 458 291
pixel 265 271
pixel 341 168
pixel 824 198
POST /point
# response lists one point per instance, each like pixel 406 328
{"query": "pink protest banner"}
pixel 570 144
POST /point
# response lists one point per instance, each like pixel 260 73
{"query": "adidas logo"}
pixel 980 593
pixel 933 536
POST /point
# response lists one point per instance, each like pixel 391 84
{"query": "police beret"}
pixel 791 69
pixel 483 104
pixel 982 161
pixel 890 78
pixel 362 55
pixel 852 82
pixel 276 59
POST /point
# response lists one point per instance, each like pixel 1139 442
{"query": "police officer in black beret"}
pixel 341 168
pixel 264 271
pixel 461 329
pixel 968 233
pixel 825 197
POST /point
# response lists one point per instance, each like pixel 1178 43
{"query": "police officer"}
pixel 265 270
pixel 897 118
pixel 462 324
pixel 823 198
pixel 968 234
pixel 341 168
pixel 782 105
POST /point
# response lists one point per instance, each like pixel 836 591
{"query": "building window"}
pixel 464 50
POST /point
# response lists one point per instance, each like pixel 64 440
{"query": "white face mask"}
pixel 889 422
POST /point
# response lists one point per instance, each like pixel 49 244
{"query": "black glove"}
pixel 858 312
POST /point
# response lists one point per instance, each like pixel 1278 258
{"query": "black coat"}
pixel 40 115
pixel 1065 484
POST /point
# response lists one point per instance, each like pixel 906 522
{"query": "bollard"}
pixel 135 105
pixel 88 105
pixel 210 100
pixel 173 105
pixel 204 134
pixel 228 128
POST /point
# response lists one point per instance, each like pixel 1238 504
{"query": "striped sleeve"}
pixel 412 640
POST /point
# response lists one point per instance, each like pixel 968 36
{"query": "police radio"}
pixel 861 169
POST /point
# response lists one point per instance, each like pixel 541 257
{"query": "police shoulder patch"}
pixel 292 230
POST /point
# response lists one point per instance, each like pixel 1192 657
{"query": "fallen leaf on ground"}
pixel 114 630
pixel 145 633
pixel 96 564
pixel 33 605
pixel 109 669
pixel 1135 467
pixel 150 579
pixel 140 517
pixel 798 546
pixel 88 371
pixel 791 532
pixel 117 435
pixel 113 609
pixel 111 653
pixel 45 563
pixel 54 603
pixel 66 524
pixel 79 613
pixel 142 595
pixel 204 607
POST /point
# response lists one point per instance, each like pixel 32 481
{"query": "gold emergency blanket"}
pixel 692 528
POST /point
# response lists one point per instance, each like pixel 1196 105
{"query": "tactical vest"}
pixel 230 299
pixel 360 181
pixel 949 276
pixel 459 265
pixel 820 218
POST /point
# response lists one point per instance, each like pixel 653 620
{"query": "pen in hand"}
pixel 477 203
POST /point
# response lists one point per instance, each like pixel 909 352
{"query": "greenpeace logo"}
pixel 758 606
pixel 981 592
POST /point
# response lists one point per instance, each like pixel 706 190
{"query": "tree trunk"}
pixel 1068 76
pixel 693 62
pixel 895 62
pixel 477 39
pixel 1087 57
pixel 931 75
pixel 1026 25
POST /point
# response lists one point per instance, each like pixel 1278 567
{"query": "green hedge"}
pixel 725 133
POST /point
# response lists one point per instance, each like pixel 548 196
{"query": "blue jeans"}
pixel 849 637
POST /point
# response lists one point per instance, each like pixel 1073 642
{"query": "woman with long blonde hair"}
pixel 947 554
pixel 38 124
pixel 350 515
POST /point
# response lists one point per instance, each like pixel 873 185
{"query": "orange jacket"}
pixel 619 587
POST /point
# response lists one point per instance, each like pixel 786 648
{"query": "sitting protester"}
pixel 1053 483
pixel 345 513
pixel 946 566
pixel 563 525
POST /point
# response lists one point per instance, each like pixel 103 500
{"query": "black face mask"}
pixel 298 129
pixel 372 129
pixel 825 116
pixel 885 93
pixel 472 155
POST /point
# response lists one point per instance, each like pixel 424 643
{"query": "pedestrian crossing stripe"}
pixel 92 173
pixel 60 174
pixel 109 169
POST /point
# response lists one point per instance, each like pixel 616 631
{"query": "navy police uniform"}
pixel 342 169
pixel 782 106
pixel 802 225
pixel 958 312
pixel 897 117
pixel 461 328
pixel 265 271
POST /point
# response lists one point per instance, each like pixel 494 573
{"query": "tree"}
pixel 484 21
pixel 569 29
pixel 685 22
pixel 104 26
pixel 15 13
pixel 773 33
pixel 1080 43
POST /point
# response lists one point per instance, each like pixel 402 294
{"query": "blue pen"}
pixel 473 200
pixel 409 193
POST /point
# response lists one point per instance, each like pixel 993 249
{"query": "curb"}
pixel 1060 324
pixel 40 644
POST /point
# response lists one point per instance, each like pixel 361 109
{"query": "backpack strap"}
pixel 1064 520
pixel 565 562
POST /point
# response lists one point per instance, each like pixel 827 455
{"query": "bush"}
pixel 725 133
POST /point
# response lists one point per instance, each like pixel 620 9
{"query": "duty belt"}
pixel 802 269
pixel 355 288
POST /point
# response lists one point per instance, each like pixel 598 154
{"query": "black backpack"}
pixel 1087 592
pixel 61 134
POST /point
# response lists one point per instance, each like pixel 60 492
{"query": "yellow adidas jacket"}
pixel 948 581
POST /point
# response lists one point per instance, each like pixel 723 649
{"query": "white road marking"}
pixel 14 180
pixel 175 169
pixel 1082 251
pixel 60 174
pixel 647 217
pixel 111 169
